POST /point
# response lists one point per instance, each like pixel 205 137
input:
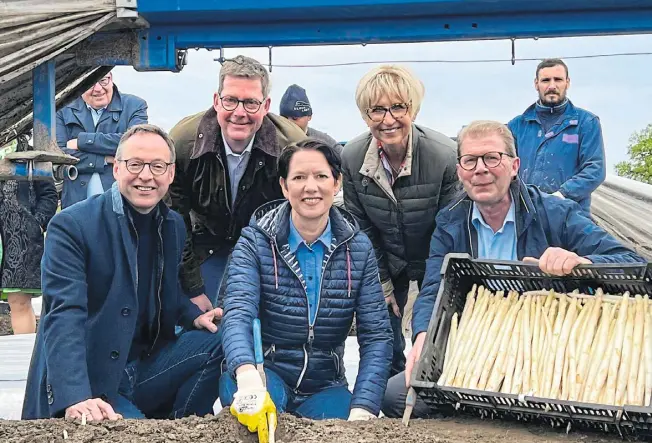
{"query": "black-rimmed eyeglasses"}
pixel 157 167
pixel 104 81
pixel 251 105
pixel 397 110
pixel 492 159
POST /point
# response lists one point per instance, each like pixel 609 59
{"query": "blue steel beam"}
pixel 44 109
pixel 176 25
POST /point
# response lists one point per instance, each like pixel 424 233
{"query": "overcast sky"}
pixel 617 89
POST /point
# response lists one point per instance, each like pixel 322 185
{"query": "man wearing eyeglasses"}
pixel 226 168
pixel 499 217
pixel 90 128
pixel 106 346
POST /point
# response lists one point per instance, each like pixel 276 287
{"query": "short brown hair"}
pixel 149 129
pixel 244 67
pixel 483 128
pixel 551 63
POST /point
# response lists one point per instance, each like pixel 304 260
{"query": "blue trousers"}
pixel 328 404
pixel 212 271
pixel 181 379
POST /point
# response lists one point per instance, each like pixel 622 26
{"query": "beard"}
pixel 552 100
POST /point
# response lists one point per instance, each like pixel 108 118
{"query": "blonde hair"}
pixel 245 67
pixel 484 128
pixel 393 81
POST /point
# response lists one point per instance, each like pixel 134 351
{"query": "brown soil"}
pixel 5 325
pixel 224 428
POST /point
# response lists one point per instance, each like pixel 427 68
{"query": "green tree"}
pixel 639 165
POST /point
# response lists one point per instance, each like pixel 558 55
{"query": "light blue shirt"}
pixel 310 258
pixel 237 163
pixel 95 183
pixel 499 245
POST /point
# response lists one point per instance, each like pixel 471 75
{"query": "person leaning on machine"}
pixel 501 218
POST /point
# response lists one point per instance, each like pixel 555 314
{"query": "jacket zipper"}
pixel 158 296
pixel 311 325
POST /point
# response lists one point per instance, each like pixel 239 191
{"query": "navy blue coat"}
pixel 90 303
pixel 569 159
pixel 542 221
pixel 265 281
pixel 94 143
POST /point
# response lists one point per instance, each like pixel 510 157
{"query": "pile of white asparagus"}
pixel 592 349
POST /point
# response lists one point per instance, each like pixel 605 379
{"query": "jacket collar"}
pixel 524 209
pixel 273 219
pixel 209 137
pixel 530 113
pixel 117 201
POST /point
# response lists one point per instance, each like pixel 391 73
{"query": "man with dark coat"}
pixel 226 168
pixel 106 346
pixel 499 217
pixel 90 128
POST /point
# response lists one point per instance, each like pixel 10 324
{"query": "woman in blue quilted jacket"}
pixel 306 270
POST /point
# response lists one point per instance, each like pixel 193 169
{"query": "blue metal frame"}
pixel 44 109
pixel 179 25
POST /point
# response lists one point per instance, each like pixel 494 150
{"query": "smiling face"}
pixel 100 94
pixel 487 186
pixel 391 130
pixel 552 85
pixel 310 186
pixel 239 126
pixel 143 190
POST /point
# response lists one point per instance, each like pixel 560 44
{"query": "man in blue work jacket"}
pixel 499 217
pixel 90 128
pixel 560 145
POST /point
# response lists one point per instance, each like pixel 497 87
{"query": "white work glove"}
pixel 558 194
pixel 252 404
pixel 359 414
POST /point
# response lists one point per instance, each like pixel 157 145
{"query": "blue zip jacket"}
pixel 542 221
pixel 95 142
pixel 90 302
pixel 264 280
pixel 569 158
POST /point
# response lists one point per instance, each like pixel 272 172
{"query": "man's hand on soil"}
pixel 95 409
pixel 252 404
pixel 413 356
pixel 207 320
pixel 202 302
pixel 359 414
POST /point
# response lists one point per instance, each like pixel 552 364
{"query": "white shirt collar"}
pixel 228 150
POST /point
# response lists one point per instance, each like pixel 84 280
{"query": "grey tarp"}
pixel 33 32
pixel 624 208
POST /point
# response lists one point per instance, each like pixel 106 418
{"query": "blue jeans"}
pixel 212 271
pixel 181 379
pixel 330 403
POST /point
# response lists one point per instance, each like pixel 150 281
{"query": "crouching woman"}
pixel 305 269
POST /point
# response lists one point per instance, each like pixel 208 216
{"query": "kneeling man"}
pixel 106 347
pixel 499 217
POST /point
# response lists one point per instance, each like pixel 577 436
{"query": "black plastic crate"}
pixel 459 274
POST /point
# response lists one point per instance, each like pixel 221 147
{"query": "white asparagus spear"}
pixel 514 349
pixel 597 352
pixel 449 348
pixel 616 355
pixel 625 362
pixel 587 339
pixel 599 391
pixel 647 338
pixel 499 354
pixel 634 394
pixel 466 348
pixel 550 359
pixel 537 343
pixel 560 352
pixel 527 345
pixel 573 354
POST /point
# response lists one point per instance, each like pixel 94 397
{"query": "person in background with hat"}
pixel 295 106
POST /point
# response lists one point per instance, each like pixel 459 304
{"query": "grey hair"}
pixel 245 67
pixel 147 129
pixel 483 128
